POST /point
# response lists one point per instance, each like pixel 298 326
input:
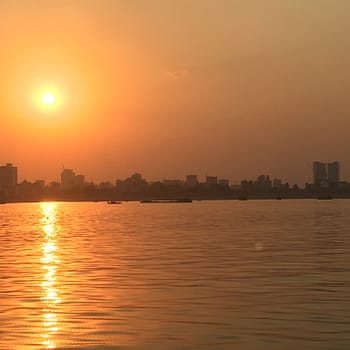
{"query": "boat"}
pixel 114 202
pixel 183 200
pixel 325 198
pixel 243 198
pixel 278 198
pixel 1 202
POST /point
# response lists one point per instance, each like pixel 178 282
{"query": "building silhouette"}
pixel 191 180
pixel 224 182
pixel 133 184
pixel 173 182
pixel 69 180
pixel 79 180
pixel 211 180
pixel 320 174
pixel 264 183
pixel 276 184
pixel 8 178
pixel 326 175
pixel 333 170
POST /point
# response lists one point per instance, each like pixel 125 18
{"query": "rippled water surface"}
pixel 206 275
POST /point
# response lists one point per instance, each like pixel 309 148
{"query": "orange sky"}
pixel 233 88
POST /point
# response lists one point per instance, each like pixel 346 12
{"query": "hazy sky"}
pixel 234 88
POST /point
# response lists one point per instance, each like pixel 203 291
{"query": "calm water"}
pixel 206 275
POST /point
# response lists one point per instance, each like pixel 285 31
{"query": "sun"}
pixel 48 98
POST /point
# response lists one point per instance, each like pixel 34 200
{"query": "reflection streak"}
pixel 50 262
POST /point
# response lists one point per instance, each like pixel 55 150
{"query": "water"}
pixel 207 275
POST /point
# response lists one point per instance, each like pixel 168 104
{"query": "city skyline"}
pixel 174 174
pixel 73 187
pixel 323 174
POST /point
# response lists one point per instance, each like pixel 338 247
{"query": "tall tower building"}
pixel 333 173
pixel 68 179
pixel 191 180
pixel 8 178
pixel 320 174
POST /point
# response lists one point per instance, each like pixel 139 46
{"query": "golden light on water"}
pixel 50 262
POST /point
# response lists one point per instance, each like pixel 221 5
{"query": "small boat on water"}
pixel 114 202
pixel 325 198
pixel 183 200
pixel 243 198
pixel 1 202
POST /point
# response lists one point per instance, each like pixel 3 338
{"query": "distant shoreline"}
pixel 253 198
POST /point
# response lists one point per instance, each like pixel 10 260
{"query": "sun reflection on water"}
pixel 50 262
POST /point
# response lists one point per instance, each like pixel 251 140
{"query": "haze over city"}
pixel 168 88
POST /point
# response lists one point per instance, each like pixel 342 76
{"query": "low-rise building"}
pixel 211 180
pixel 191 180
pixel 224 182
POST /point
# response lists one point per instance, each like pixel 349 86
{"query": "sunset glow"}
pixel 174 174
pixel 241 70
pixel 48 98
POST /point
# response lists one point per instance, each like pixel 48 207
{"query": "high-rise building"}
pixel 191 180
pixel 277 184
pixel 319 174
pixel 136 178
pixel 80 180
pixel 264 183
pixel 8 178
pixel 69 180
pixel 333 173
